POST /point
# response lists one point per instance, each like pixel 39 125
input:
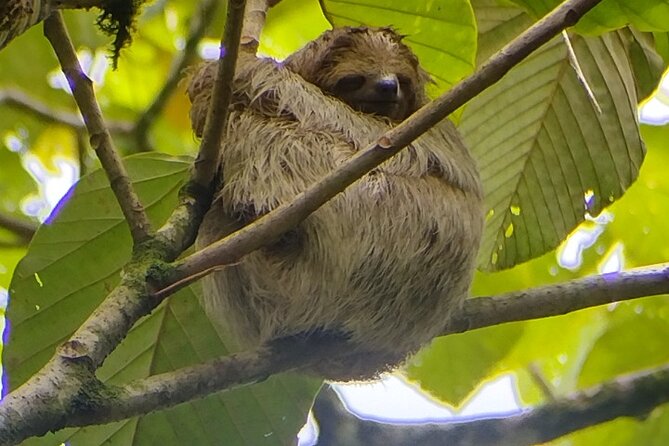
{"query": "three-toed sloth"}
pixel 385 263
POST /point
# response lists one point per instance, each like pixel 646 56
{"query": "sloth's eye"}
pixel 350 83
pixel 405 82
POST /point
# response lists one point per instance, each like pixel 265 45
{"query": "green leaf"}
pixel 633 341
pixel 290 25
pixel 638 217
pixel 609 15
pixel 442 33
pixel 647 62
pixel 15 182
pixel 498 23
pixel 542 145
pixel 73 262
pixel 454 366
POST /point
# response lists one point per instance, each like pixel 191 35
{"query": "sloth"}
pixel 384 264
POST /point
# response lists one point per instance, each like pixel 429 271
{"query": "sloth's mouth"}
pixel 380 101
pixel 390 109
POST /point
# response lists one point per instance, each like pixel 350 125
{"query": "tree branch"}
pixel 206 164
pixel 629 396
pixel 477 313
pixel 82 89
pixel 180 230
pixel 201 19
pixel 66 389
pixel 23 101
pixel 561 298
pixel 186 384
pixel 17 16
pixel 23 228
pixel 232 248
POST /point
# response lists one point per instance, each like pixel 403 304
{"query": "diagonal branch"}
pixel 285 217
pixel 82 89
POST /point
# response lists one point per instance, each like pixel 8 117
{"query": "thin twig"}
pixel 23 101
pixel 287 216
pixel 541 382
pixel 206 164
pixel 23 228
pixel 101 142
pixel 201 19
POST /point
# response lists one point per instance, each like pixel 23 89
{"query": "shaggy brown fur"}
pixel 383 264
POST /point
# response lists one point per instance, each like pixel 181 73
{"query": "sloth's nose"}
pixel 388 87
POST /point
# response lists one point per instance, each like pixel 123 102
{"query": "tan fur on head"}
pixel 371 52
pixel 385 263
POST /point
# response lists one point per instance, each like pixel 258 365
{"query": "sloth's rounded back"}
pixel 384 263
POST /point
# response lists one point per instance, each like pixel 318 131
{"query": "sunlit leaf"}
pixel 453 367
pixel 542 144
pixel 290 25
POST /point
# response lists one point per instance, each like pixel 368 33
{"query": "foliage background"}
pixel 37 158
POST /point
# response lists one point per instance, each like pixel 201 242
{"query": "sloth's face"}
pixel 386 95
pixel 370 69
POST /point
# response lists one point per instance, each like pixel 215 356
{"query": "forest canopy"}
pixel 575 191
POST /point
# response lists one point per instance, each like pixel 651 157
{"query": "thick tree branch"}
pixel 23 101
pixel 17 16
pixel 206 164
pixel 201 19
pixel 561 298
pixel 629 396
pixel 168 389
pixel 82 89
pixel 287 216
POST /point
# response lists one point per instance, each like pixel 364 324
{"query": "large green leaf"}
pixel 442 33
pixel 542 145
pixel 73 261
